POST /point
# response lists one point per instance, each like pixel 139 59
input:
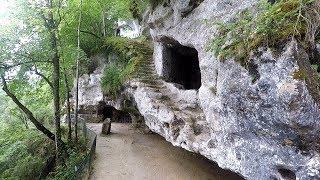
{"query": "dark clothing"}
pixel 118 32
pixel 106 127
pixel 105 110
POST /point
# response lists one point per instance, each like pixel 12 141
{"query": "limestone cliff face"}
pixel 262 122
pixel 266 128
pixel 90 91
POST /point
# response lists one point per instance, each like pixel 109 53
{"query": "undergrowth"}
pixel 23 152
pixel 272 25
pixel 78 153
pixel 129 53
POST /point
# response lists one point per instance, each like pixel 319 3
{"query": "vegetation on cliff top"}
pixel 271 26
pixel 129 53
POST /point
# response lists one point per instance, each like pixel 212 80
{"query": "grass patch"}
pixel 272 25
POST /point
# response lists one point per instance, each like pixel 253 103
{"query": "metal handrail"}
pixel 83 169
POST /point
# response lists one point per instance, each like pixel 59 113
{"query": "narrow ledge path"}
pixel 128 155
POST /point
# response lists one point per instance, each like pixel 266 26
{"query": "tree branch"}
pixel 43 76
pixel 59 14
pixel 29 56
pixel 91 33
pixel 45 20
pixel 29 114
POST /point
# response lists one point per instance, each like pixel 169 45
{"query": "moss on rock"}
pixel 130 53
pixel 271 26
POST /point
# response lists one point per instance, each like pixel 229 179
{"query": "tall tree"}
pixel 77 74
pixel 52 27
pixel 68 105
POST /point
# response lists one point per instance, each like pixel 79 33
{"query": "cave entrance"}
pixel 181 65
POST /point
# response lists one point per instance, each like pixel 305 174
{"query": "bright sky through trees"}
pixel 38 45
pixel 5 7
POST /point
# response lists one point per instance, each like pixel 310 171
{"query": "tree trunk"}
pixel 56 102
pixel 29 114
pixel 103 24
pixel 52 29
pixel 68 106
pixel 77 78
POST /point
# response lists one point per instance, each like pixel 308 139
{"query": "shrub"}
pixel 77 157
pixel 112 78
pixel 129 52
pixel 23 152
pixel 272 25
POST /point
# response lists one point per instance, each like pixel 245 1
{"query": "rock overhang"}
pixel 251 128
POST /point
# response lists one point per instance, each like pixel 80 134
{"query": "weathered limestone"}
pixel 262 123
pixel 266 128
pixel 90 91
pixel 94 105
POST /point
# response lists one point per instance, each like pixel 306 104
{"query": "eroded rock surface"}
pixel 95 106
pixel 262 123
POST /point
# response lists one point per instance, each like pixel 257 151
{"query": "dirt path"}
pixel 126 154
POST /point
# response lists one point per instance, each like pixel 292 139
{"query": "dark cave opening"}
pixel 287 174
pixel 108 111
pixel 181 65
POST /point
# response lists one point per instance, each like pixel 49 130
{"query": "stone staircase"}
pixel 188 117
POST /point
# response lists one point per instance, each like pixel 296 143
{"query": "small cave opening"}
pixel 181 65
pixel 287 174
pixel 108 111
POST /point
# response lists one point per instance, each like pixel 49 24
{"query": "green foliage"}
pixel 91 23
pixel 272 25
pixel 113 79
pixel 23 152
pixel 68 171
pixel 77 156
pixel 25 44
pixel 138 7
pixel 129 54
